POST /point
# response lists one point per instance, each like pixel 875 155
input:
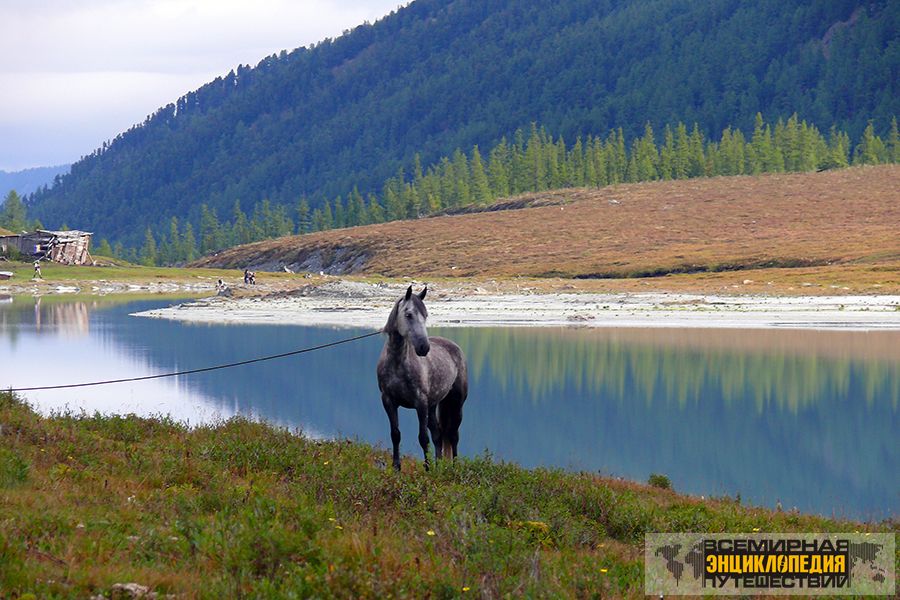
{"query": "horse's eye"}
pixel 409 315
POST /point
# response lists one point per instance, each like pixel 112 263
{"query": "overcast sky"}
pixel 74 73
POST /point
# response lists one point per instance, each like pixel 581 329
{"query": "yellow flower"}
pixel 338 527
pixel 466 588
pixel 604 570
pixel 431 532
pixel 332 519
pixel 325 463
pixel 755 529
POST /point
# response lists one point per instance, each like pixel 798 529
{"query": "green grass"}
pixel 247 509
pixel 116 272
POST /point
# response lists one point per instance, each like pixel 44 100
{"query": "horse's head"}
pixel 408 320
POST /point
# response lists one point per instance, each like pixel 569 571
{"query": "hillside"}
pixel 841 218
pixel 28 181
pixel 445 74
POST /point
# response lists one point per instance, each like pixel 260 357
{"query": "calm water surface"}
pixel 810 419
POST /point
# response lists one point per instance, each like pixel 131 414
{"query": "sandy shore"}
pixel 357 304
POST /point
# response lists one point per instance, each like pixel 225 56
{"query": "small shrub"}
pixel 660 481
pixel 13 469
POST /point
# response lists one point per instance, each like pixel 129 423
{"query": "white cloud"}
pixel 75 73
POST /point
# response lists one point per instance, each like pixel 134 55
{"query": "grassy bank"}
pixel 243 508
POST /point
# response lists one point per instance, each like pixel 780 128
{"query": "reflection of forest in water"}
pixel 807 417
pixel 786 369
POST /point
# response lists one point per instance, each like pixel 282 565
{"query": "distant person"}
pixel 252 278
pixel 37 270
pixel 246 276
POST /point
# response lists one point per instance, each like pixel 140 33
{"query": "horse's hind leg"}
pixel 451 419
pixel 422 412
pixel 391 409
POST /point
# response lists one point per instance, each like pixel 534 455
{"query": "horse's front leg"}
pixel 391 409
pixel 435 428
pixel 422 412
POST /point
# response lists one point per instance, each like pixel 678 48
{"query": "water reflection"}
pixel 808 418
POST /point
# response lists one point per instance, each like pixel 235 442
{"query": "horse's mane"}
pixel 391 326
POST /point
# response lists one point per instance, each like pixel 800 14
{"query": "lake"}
pixel 809 419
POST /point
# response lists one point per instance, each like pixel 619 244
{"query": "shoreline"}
pixel 344 303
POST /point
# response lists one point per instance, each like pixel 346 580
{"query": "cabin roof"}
pixel 6 233
pixel 62 236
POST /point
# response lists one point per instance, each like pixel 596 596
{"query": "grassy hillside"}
pixel 244 509
pixel 836 221
pixel 438 75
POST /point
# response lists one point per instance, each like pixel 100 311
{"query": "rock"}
pixel 748 281
pixel 130 590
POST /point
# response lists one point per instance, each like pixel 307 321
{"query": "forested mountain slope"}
pixel 445 74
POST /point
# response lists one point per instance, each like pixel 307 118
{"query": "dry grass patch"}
pixel 838 227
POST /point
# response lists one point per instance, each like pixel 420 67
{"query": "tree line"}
pixel 529 162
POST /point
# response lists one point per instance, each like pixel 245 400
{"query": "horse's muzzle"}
pixel 423 348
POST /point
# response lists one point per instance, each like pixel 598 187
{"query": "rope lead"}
pixel 203 370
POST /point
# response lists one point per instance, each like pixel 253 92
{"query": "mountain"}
pixel 444 74
pixel 28 181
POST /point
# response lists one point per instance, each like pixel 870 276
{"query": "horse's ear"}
pixel 408 293
pixel 423 292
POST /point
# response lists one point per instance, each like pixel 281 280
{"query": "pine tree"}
pixel 327 217
pixel 304 221
pixel 188 243
pixel 757 150
pixel 356 207
pixel 681 167
pixel 481 191
pixel 667 155
pixel 498 170
pixel 867 149
pixel 103 248
pixel 645 156
pixel 537 181
pixel 209 230
pixel 696 158
pixel 461 176
pixel 13 217
pixel 376 212
pixel 358 211
pixel 169 249
pixel 240 226
pixel 894 142
pixel 393 202
pixel 148 254
pixel 340 218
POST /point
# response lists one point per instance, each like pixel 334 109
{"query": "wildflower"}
pixel 430 532
pixel 466 588
pixel 338 527
pixel 756 530
pixel 325 463
pixel 604 570
pixel 332 519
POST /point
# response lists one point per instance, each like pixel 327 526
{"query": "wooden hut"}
pixel 65 247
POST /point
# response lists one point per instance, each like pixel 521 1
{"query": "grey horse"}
pixel 424 373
